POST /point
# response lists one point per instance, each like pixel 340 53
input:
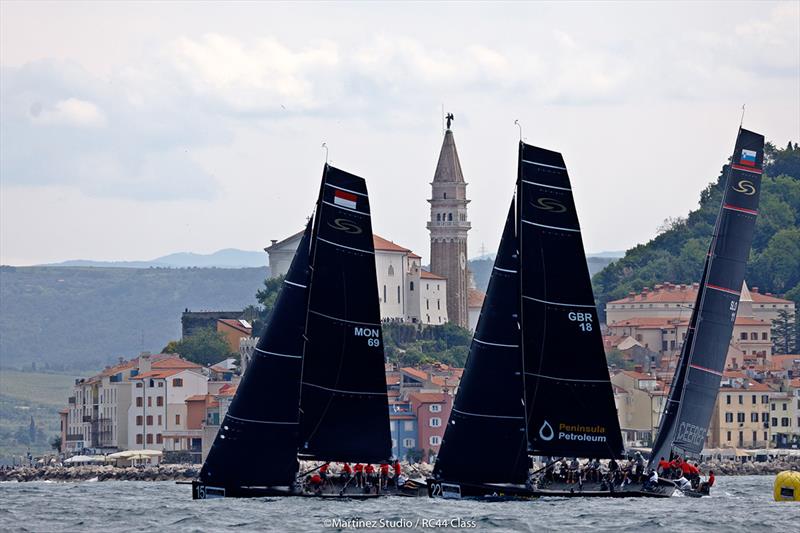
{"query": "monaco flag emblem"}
pixel 344 199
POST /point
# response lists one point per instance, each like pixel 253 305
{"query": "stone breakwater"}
pixel 172 472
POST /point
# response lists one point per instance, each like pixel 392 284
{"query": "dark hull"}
pixel 490 492
pixel 201 491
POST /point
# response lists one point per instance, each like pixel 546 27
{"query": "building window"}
pixel 411 286
pixel 138 401
pixel 774 422
pixel 149 438
pixel 785 422
pixel 149 420
pixel 754 418
pixel 429 318
pixel 435 422
pixel 765 418
pixel 384 294
pixel 439 304
pixel 408 425
pixel 160 384
pixel 435 408
pixel 408 443
pixel 729 436
pixel 398 294
pixel 139 420
pixel 139 438
pixel 729 417
pixel 177 420
pixel 159 401
pixel 740 417
pixel 444 195
pixel 728 399
pixel 753 336
pixel 391 270
pixel 754 399
pixel 741 399
pixel 743 336
pixel 449 217
pixel 763 335
pixel 438 217
pixel 152 384
pixel 177 382
pixel 427 304
pixel 149 401
pixel 764 398
pixel 139 385
pixel 435 440
pixel 159 439
pixel 773 407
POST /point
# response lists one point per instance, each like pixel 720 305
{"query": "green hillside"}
pixel 82 318
pixel 678 252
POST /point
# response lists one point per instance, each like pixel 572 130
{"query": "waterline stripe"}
pixel 279 354
pixel 557 303
pixel 488 416
pixel 495 344
pixel 549 227
pixel 343 391
pixel 346 247
pixel 344 319
pixel 543 165
pixel 545 185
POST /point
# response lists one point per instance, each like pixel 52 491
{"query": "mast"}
pixel 262 421
pixel 569 398
pixel 488 415
pixel 687 414
pixel 344 408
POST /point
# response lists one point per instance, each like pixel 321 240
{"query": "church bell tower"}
pixel 448 226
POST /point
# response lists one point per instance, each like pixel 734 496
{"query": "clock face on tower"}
pixel 462 260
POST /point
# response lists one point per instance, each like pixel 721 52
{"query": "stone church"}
pixel 448 226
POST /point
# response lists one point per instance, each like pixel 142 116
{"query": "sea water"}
pixel 742 503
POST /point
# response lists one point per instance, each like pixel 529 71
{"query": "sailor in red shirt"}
pixel 359 470
pixel 664 465
pixel 705 486
pixel 384 475
pixel 370 471
pixel 323 472
pixel 315 482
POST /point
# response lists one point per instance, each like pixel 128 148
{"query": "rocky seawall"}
pixel 172 472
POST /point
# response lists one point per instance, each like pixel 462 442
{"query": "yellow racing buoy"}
pixel 787 486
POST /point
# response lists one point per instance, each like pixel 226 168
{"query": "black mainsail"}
pixel 684 422
pixel 257 441
pixel 344 408
pixel 316 385
pixel 488 415
pixel 569 398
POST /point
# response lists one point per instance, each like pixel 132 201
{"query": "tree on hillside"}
pixel 205 347
pixel 266 297
pixel 411 345
pixel 784 333
pixel 782 161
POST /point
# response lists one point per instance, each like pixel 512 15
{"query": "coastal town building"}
pixel 658 320
pixel 234 330
pixel 406 292
pixel 193 321
pixel 448 226
pixel 741 416
pixel 640 399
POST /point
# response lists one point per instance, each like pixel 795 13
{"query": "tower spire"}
pixel 448 227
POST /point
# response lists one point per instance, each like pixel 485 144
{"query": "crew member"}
pixel 398 470
pixel 705 486
pixel 370 471
pixel 384 475
pixel 359 470
pixel 664 465
pixel 315 481
pixel 323 473
pixel 347 472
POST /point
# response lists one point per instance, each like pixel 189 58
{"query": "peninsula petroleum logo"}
pixel 572 432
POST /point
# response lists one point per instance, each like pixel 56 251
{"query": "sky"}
pixel 133 130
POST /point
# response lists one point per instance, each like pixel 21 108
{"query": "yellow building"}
pixel 640 400
pixel 741 416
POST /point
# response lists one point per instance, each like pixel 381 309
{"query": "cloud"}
pixel 71 111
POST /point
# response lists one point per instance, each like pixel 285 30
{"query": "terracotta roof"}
pixel 174 362
pixel 235 324
pixel 475 298
pixel 159 374
pixel 197 398
pixel 683 293
pixel 424 274
pixel 386 245
pixel 415 372
pixel 747 321
pixel 735 374
pixel 779 362
pixel 428 397
pixel 227 390
pixel 795 383
pixel 758 387
pixel 412 255
pixel 637 375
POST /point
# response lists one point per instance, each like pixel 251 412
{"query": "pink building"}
pixel 432 410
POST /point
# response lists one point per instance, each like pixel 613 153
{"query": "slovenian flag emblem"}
pixel 344 199
pixel 748 158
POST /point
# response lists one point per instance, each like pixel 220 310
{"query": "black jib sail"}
pixel 488 417
pixel 685 420
pixel 257 441
pixel 570 401
pixel 343 405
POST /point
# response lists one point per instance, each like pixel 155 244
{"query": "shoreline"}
pixel 182 472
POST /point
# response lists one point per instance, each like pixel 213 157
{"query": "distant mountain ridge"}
pixel 226 258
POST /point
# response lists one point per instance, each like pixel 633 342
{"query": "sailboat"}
pixel 687 413
pixel 536 380
pixel 316 387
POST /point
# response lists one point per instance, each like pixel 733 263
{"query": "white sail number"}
pixel 584 320
pixel 734 306
pixel 372 334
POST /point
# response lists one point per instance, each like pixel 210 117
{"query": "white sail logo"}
pixel 546 431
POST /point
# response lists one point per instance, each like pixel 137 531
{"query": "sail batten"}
pixel 684 422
